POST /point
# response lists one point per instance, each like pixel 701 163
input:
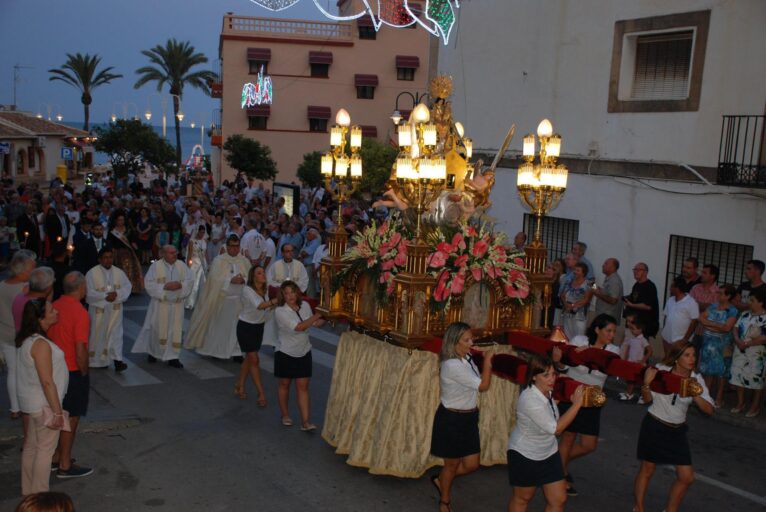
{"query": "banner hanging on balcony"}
pixel 258 93
pixel 438 17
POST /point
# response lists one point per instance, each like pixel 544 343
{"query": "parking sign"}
pixel 67 154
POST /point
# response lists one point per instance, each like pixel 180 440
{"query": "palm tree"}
pixel 80 71
pixel 172 65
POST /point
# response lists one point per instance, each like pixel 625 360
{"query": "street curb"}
pixel 86 427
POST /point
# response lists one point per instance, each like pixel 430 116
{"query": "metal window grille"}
pixel 663 66
pixel 558 234
pixel 742 151
pixel 729 258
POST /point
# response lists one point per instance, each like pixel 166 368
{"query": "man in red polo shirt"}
pixel 70 333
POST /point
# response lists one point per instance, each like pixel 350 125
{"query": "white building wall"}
pixel 518 61
pixel 627 220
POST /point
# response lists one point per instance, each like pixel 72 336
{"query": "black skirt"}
pixel 524 472
pixel 663 444
pixel 249 336
pixel 455 434
pixel 288 367
pixel 587 421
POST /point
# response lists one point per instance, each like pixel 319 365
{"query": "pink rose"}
pixel 461 261
pixel 442 291
pixel 458 242
pixel 437 259
pixel 395 239
pixel 491 270
pixel 476 273
pixel 385 276
pixel 400 259
pixel 387 265
pixel 519 261
pixel 517 292
pixel 390 287
pixel 480 248
pixel 470 231
pixel 445 247
pixel 458 282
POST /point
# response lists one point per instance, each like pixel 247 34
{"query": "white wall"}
pixel 518 61
pixel 627 220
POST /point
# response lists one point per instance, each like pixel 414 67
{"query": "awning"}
pixel 319 112
pixel 369 131
pixel 259 111
pixel 365 21
pixel 407 61
pixel 320 57
pixel 259 54
pixel 366 80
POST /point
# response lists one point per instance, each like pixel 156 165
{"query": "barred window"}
pixel 558 234
pixel 729 258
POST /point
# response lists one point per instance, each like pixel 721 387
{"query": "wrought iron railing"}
pixel 741 154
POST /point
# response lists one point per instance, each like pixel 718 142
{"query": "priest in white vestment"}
pixel 287 269
pixel 213 326
pixel 168 283
pixel 108 289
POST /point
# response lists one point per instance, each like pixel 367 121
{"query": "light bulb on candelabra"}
pixel 459 128
pixel 356 166
pixel 544 129
pixel 529 145
pixel 429 135
pixel 468 143
pixel 405 135
pixel 356 137
pixel 327 161
pixel 342 118
pixel 421 114
pixel 336 136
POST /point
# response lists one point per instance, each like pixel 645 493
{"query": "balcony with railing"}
pixel 216 84
pixel 294 29
pixel 742 152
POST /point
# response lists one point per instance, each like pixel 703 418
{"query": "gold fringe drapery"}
pixel 382 403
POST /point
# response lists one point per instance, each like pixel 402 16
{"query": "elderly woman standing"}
pixel 718 321
pixel 21 266
pixel 292 359
pixel 575 298
pixel 43 379
pixel 533 454
pixel 748 365
pixel 662 439
pixel 455 434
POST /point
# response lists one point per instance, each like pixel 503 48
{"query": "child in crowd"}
pixel 161 239
pixel 635 349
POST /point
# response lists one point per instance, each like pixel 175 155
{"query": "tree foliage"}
pixel 377 161
pixel 250 157
pixel 310 170
pixel 80 71
pixel 129 143
pixel 172 66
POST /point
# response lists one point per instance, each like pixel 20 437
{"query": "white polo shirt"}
pixel 678 316
pixel 672 408
pixel 459 379
pixel 583 373
pixel 534 435
pixel 289 341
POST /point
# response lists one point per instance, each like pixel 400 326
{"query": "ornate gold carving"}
pixel 593 397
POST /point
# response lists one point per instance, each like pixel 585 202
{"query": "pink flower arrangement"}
pixel 382 250
pixel 478 252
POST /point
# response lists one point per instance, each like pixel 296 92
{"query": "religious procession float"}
pixel 436 260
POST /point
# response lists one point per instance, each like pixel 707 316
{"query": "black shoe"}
pixel 151 358
pixel 175 363
pixel 571 491
pixel 119 366
pixel 238 359
pixel 73 472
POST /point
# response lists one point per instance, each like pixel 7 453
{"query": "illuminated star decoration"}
pixel 439 14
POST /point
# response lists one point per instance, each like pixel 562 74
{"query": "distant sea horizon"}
pixel 189 138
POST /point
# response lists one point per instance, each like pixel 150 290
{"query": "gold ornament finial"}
pixel 594 397
pixel 441 87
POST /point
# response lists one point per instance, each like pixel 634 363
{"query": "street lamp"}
pixel 416 98
pixel 50 108
pixel 541 185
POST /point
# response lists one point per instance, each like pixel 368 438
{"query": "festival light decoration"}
pixel 439 14
pixel 258 93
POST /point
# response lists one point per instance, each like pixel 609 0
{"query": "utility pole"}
pixel 16 80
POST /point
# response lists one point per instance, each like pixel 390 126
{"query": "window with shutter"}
pixel 729 258
pixel 558 234
pixel 662 66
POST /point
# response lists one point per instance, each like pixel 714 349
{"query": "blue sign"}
pixel 5 147
pixel 67 154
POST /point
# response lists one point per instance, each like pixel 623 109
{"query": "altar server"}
pixel 662 439
pixel 287 269
pixel 168 283
pixel 455 434
pixel 108 288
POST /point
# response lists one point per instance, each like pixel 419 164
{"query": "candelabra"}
pixel 343 165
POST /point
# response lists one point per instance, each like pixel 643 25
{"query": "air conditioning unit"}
pixel 40 142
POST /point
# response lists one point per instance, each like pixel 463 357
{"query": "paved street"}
pixel 163 439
